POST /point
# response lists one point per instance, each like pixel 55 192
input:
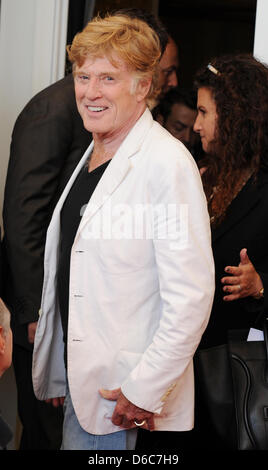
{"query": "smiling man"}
pixel 110 101
pixel 122 317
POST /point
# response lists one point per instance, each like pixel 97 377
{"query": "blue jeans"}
pixel 76 438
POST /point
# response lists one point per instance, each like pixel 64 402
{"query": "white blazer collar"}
pixel 119 166
pixel 114 174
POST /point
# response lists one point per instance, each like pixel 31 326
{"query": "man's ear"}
pixel 143 88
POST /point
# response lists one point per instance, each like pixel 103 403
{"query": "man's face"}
pixel 168 66
pixel 106 96
pixel 180 123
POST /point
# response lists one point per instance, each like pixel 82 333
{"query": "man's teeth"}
pixel 96 108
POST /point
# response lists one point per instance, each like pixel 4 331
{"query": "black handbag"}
pixel 233 381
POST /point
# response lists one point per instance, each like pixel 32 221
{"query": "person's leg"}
pixel 132 435
pixel 164 440
pixel 76 438
pixel 41 422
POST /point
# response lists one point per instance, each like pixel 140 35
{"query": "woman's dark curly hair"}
pixel 240 91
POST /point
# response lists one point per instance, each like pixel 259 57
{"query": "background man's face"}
pixel 180 123
pixel 168 65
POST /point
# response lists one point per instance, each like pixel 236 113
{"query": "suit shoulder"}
pixel 56 97
pixel 166 150
pixel 57 90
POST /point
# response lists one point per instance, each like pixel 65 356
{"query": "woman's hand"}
pixel 242 281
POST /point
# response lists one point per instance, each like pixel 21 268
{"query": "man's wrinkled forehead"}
pixel 113 60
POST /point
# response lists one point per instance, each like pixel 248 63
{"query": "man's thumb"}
pixel 110 394
pixel 244 259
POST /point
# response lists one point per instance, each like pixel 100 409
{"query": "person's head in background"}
pixel 6 340
pixel 168 67
pixel 151 20
pixel 177 112
pixel 232 122
pixel 169 62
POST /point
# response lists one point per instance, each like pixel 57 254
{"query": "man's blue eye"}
pixel 82 78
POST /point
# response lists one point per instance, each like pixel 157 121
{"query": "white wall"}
pixel 261 31
pixel 32 56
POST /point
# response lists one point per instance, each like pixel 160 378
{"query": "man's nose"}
pixel 173 79
pixel 186 135
pixel 93 89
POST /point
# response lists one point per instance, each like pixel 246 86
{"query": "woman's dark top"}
pixel 245 226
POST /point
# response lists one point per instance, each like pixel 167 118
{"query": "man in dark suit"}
pixel 48 140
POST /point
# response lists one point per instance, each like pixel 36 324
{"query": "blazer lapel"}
pixel 71 181
pixel 118 168
pixel 240 206
pixel 110 180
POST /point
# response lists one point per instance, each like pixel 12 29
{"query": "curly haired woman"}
pixel 232 122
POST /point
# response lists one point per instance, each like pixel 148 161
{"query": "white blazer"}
pixel 141 286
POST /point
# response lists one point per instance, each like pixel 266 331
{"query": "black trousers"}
pixel 164 440
pixel 42 423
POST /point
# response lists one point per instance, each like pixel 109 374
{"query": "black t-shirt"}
pixel 71 214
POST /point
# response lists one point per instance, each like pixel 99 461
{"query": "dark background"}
pixel 202 29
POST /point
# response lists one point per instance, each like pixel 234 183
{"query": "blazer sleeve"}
pixel 186 278
pixel 41 143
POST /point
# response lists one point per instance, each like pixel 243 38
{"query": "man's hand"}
pixel 125 412
pixel 244 280
pixel 56 402
pixel 31 331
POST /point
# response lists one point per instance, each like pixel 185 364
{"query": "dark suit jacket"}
pixel 245 226
pixel 48 140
